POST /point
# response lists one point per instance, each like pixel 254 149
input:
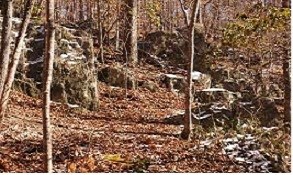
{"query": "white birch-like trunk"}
pixel 187 131
pixel 47 79
pixel 7 11
pixel 16 57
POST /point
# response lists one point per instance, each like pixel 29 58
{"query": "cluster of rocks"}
pixel 73 82
pixel 117 76
pixel 120 76
pixel 214 105
pixel 221 106
pixel 169 48
pixel 177 83
pixel 229 94
pixel 244 150
pixel 233 93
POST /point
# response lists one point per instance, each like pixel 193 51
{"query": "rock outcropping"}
pixel 73 82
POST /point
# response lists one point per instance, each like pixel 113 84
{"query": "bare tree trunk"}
pixel 185 13
pixel 21 9
pixel 7 10
pixel 264 3
pixel 92 10
pixel 287 73
pixel 89 10
pixel 117 37
pixel 286 3
pixel 47 79
pixel 131 40
pixel 58 10
pixel 16 56
pixel 287 91
pixel 117 28
pixel 199 12
pixel 187 131
pixel 91 63
pixel 100 31
pixel 75 12
pixel 81 16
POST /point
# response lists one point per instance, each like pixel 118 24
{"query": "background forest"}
pixel 145 86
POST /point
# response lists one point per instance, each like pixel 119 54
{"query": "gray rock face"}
pixel 217 114
pixel 173 82
pixel 172 48
pixel 200 80
pixel 215 108
pixel 150 85
pixel 72 80
pixel 206 115
pixel 26 85
pixel 72 83
pixel 268 113
pixel 231 85
pixel 244 150
pixel 216 94
pixel 117 76
pixel 177 83
pixel 67 45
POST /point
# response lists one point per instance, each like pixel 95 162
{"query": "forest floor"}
pixel 127 134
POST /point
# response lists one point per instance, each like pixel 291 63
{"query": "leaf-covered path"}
pixel 128 134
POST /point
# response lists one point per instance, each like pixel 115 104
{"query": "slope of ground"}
pixel 127 134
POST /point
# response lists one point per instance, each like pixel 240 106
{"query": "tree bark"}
pixel 287 91
pixel 75 12
pixel 16 56
pixel 81 15
pixel 117 28
pixel 91 63
pixel 287 73
pixel 100 26
pixel 131 38
pixel 185 13
pixel 286 3
pixel 264 3
pixel 200 12
pixel 47 79
pixel 187 131
pixel 7 11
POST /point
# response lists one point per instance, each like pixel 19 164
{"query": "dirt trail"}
pixel 130 128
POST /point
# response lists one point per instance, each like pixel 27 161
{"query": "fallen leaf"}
pixel 113 157
pixel 71 168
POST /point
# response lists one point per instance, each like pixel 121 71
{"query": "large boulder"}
pixel 26 85
pixel 150 85
pixel 208 116
pixel 72 83
pixel 70 43
pixel 266 111
pixel 171 47
pixel 215 108
pixel 173 82
pixel 215 114
pixel 216 95
pixel 177 83
pixel 117 76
